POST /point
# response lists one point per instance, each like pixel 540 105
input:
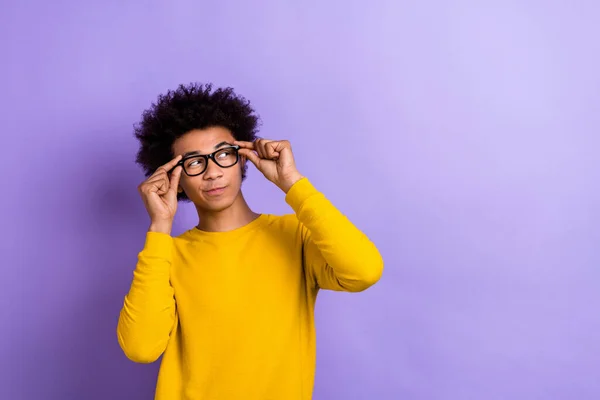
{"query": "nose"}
pixel 213 171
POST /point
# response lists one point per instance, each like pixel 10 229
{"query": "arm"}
pixel 337 255
pixel 148 313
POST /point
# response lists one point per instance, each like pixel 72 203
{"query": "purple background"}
pixel 461 136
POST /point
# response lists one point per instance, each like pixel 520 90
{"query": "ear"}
pixel 179 189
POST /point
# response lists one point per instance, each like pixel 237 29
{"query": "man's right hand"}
pixel 159 193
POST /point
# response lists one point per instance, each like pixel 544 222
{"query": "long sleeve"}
pixel 337 255
pixel 148 313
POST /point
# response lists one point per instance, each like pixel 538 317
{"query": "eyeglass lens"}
pixel 224 158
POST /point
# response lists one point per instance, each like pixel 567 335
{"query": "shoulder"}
pixel 286 224
pixel 185 240
pixel 282 222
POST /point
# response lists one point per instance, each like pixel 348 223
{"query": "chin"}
pixel 215 206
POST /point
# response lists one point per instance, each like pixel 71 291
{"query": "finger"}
pixel 159 186
pixel 250 155
pixel 283 147
pixel 175 176
pixel 260 147
pixel 158 175
pixel 282 144
pixel 271 150
pixel 155 182
pixel 244 145
pixel 168 166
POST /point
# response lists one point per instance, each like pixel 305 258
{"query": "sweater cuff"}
pixel 158 245
pixel 299 192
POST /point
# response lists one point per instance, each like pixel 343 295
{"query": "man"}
pixel 229 303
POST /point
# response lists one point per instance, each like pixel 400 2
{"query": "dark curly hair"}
pixel 189 107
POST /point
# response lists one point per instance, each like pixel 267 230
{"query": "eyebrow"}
pixel 197 153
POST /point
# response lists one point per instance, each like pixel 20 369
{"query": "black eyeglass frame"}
pixel 208 157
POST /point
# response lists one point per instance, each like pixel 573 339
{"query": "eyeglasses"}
pixel 196 164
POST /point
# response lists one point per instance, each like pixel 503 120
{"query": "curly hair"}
pixel 189 107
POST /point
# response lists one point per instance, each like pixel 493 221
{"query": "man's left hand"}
pixel 274 158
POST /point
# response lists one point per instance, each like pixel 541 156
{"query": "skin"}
pixel 227 209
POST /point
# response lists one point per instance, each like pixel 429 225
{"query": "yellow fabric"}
pixel 233 311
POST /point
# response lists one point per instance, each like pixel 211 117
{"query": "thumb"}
pixel 250 155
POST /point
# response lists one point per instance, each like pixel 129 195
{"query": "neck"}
pixel 233 217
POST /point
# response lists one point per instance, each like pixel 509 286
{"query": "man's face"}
pixel 217 187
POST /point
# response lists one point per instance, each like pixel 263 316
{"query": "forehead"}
pixel 202 140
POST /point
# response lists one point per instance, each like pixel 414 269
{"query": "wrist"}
pixel 161 227
pixel 288 182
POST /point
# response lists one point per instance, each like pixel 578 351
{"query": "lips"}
pixel 215 191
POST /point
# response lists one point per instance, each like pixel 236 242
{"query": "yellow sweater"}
pixel 233 311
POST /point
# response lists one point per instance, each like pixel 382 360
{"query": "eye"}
pixel 195 162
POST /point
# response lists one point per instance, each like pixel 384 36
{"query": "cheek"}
pixel 234 175
pixel 184 181
pixel 188 183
